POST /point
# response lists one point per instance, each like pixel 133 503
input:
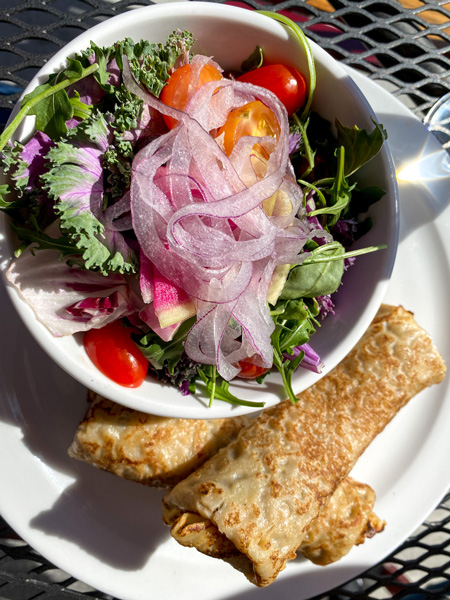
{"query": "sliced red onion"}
pixel 117 217
pixel 145 278
pixel 199 216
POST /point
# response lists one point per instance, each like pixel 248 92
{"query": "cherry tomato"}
pixel 175 92
pixel 285 82
pixel 114 353
pixel 250 370
pixel 254 118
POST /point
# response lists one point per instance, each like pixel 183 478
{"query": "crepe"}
pixel 152 450
pixel 264 491
pixel 161 452
pixel 346 521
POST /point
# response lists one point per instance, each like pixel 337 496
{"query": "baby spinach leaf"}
pixel 316 279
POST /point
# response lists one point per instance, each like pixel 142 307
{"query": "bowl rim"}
pixel 90 376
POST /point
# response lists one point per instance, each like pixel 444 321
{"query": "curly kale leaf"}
pixel 151 63
pixel 75 181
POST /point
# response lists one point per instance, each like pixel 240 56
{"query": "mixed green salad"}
pixel 192 223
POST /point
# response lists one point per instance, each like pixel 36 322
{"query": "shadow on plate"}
pixel 101 522
pixel 91 508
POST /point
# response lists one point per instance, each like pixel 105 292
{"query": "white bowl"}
pixel 230 34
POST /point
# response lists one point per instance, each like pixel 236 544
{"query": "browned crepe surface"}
pixel 265 489
pixel 161 452
pixel 346 521
pixel 152 450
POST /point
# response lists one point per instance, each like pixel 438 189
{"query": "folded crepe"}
pixel 155 451
pixel 160 452
pixel 346 521
pixel 260 495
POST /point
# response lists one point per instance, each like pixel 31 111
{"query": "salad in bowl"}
pixel 195 229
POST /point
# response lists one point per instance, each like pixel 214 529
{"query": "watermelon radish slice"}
pixel 147 314
pixel 172 305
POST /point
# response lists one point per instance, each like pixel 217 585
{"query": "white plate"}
pixel 108 532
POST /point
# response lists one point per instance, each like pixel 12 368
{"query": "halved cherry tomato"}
pixel 175 92
pixel 250 370
pixel 254 118
pixel 114 353
pixel 285 82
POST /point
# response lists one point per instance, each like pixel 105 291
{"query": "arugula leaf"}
pixel 360 146
pixel 340 192
pixel 13 205
pixel 362 199
pixel 218 388
pixel 5 190
pixel 80 109
pixel 170 357
pixel 303 40
pixel 53 110
pixel 294 324
pixel 43 241
pixel 160 353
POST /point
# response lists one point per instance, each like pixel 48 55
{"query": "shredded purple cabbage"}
pixel 84 310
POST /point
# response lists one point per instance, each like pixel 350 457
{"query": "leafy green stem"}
pixel 308 52
pixel 309 153
pixel 286 375
pixel 212 392
pixel 312 260
pixel 32 102
pixel 221 391
pixel 319 193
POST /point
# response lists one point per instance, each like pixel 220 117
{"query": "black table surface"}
pixel 403 43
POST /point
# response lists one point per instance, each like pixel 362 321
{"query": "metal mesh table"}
pixel 403 43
